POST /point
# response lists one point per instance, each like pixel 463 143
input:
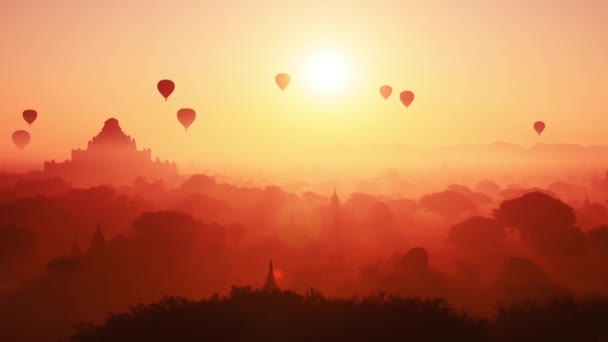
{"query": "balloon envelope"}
pixel 21 139
pixel 539 127
pixel 386 91
pixel 165 87
pixel 407 97
pixel 30 115
pixel 186 117
pixel 282 80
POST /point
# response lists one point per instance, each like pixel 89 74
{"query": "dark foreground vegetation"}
pixel 255 315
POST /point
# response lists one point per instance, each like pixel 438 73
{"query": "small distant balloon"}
pixel 30 115
pixel 21 138
pixel 186 117
pixel 386 91
pixel 407 97
pixel 282 80
pixel 539 127
pixel 165 87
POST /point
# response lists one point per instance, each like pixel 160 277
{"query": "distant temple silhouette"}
pixel 98 241
pixel 271 284
pixel 111 157
pixel 335 213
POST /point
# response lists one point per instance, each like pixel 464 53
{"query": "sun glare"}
pixel 327 71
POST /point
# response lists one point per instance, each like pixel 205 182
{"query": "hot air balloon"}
pixel 21 139
pixel 165 87
pixel 30 115
pixel 282 80
pixel 407 97
pixel 539 127
pixel 186 117
pixel 386 91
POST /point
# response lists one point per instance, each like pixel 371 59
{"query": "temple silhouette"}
pixel 271 283
pixel 110 157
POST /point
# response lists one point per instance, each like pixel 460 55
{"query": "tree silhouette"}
pixel 477 232
pixel 521 280
pixel 561 319
pixel 256 315
pixel 488 187
pixel 15 244
pixel 448 203
pixel 63 264
pixel 597 242
pixel 546 224
pixel 415 261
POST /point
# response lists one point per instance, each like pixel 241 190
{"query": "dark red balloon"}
pixel 407 97
pixel 386 91
pixel 165 87
pixel 539 127
pixel 186 117
pixel 21 139
pixel 30 115
pixel 282 80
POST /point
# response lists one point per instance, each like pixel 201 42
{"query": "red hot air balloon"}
pixel 539 127
pixel 386 91
pixel 282 80
pixel 30 115
pixel 21 139
pixel 407 97
pixel 186 117
pixel 165 87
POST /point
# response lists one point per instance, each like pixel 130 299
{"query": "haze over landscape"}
pixel 320 170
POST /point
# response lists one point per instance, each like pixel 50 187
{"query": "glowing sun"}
pixel 327 71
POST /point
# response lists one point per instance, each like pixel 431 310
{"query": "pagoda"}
pixel 110 157
pixel 271 283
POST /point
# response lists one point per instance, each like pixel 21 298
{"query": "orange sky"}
pixel 482 71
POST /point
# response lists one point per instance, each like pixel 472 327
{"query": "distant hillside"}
pixel 494 154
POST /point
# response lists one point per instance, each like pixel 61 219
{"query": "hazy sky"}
pixel 482 71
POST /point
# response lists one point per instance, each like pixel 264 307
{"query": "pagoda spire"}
pixel 271 284
pixel 98 241
pixel 334 200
